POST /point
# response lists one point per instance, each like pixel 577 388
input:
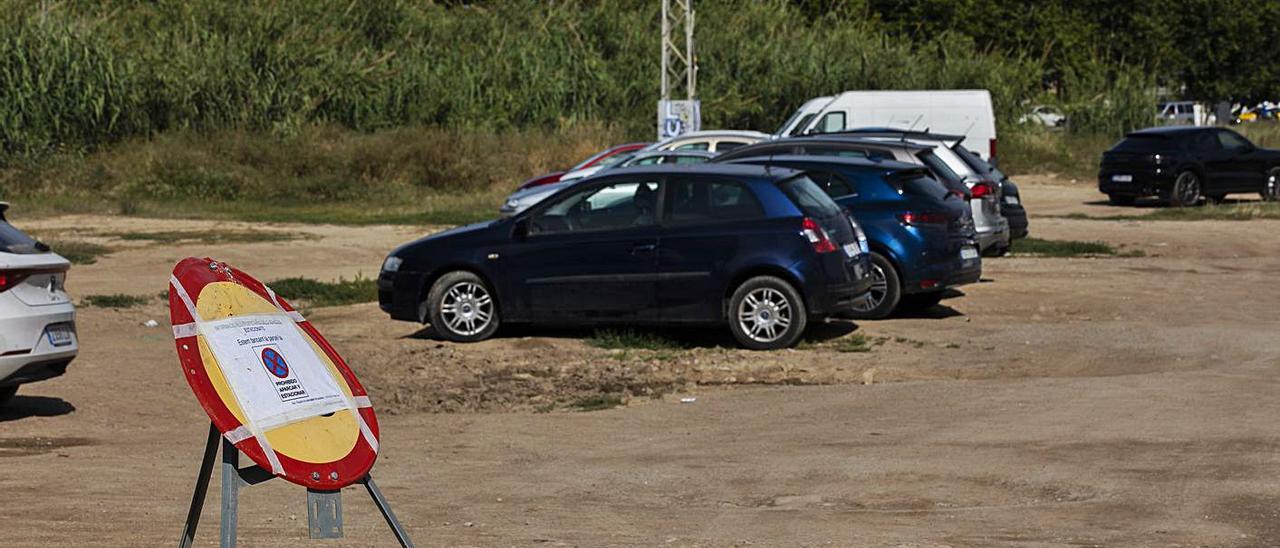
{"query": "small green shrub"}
pixel 116 300
pixel 317 293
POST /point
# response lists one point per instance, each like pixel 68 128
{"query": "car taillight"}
pixel 11 278
pixel 817 236
pixel 991 154
pixel 917 219
pixel 982 190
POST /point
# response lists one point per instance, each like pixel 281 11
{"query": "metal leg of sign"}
pixel 202 488
pixel 387 514
pixel 324 513
pixel 230 492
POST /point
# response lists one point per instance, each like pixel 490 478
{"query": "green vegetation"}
pixel 597 403
pixel 631 339
pixel 78 252
pixel 1223 212
pixel 209 236
pixel 116 300
pixel 1066 248
pixel 308 292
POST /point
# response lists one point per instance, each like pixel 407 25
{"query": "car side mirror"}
pixel 520 231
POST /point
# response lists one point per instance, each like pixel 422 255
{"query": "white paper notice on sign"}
pixel 276 375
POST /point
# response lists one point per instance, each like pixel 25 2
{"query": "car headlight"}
pixel 392 263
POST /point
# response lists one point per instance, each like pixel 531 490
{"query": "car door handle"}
pixel 639 249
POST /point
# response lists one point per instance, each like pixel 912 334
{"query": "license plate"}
pixel 852 250
pixel 968 253
pixel 60 334
pixel 1011 200
pixel 1122 178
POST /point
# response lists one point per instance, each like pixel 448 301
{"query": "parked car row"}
pixel 760 233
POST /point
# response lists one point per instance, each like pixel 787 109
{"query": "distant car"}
pixel 763 250
pixel 604 158
pixel 521 199
pixel 1183 165
pixel 920 239
pixel 1181 113
pixel 717 141
pixel 1042 115
pixel 37 320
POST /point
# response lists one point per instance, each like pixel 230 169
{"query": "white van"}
pixel 954 112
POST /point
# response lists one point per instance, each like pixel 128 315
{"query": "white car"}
pixel 717 141
pixel 37 320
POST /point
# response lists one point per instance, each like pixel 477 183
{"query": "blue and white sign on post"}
pixel 677 118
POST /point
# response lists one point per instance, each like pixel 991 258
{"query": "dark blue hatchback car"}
pixel 920 238
pixel 763 249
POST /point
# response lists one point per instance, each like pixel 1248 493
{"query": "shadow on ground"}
pixel 21 407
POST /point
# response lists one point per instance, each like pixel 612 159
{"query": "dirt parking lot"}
pixel 1110 401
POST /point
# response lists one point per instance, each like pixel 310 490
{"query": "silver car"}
pixel 522 199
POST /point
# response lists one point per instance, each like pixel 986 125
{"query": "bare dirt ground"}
pixel 1061 402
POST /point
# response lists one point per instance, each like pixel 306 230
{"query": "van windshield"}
pixel 809 197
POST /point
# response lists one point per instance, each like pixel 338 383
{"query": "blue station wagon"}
pixel 921 240
pixel 764 250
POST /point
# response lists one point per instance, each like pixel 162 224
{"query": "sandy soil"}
pixel 1060 402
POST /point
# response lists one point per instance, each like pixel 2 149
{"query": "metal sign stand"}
pixel 324 508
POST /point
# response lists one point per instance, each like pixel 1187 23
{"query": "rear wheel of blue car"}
pixel 461 307
pixel 886 290
pixel 766 313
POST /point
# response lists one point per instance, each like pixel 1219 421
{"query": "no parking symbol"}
pixel 287 385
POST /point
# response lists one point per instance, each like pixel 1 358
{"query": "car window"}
pixel 839 152
pixel 831 183
pixel 1232 142
pixel 804 122
pixel 978 165
pixel 616 159
pixel 612 206
pixel 831 122
pixel 728 145
pixel 809 197
pixel 16 241
pixel 689 160
pixel 954 162
pixel 647 161
pixel 691 201
pixel 694 146
pixel 937 166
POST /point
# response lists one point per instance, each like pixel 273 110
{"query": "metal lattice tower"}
pixel 679 65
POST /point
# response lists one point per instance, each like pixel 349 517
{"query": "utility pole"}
pixel 679 67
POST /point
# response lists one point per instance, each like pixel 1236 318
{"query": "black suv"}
pixel 1183 164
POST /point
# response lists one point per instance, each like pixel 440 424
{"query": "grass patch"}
pixel 116 300
pixel 1060 248
pixel 631 339
pixel 854 343
pixel 78 252
pixel 317 293
pixel 208 236
pixel 1224 212
pixel 597 403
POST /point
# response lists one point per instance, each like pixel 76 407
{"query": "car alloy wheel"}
pixel 876 295
pixel 466 308
pixel 764 315
pixel 1186 190
pixel 1271 192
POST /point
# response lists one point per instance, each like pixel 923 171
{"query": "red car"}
pixel 604 158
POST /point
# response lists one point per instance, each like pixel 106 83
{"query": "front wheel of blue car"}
pixel 461 307
pixel 766 313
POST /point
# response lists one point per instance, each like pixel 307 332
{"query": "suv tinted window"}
pixel 13 240
pixel 1231 141
pixel 841 152
pixel 701 201
pixel 1139 142
pixel 728 145
pixel 809 197
pixel 613 206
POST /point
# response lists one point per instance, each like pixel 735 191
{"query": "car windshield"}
pixel 978 165
pixel 938 166
pixel 13 240
pixel 809 197
pixel 799 112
